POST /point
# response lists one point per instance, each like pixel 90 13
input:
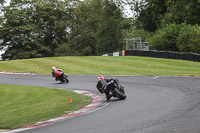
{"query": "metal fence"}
pixel 136 43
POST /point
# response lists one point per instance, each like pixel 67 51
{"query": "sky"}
pixel 7 1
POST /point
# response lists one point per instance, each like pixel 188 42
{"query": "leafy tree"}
pixel 51 17
pixel 38 28
pixel 2 2
pixel 177 37
pixel 152 14
pixel 33 28
pixel 182 11
pixel 189 38
pixel 93 21
pixel 16 32
pixel 1 6
pixel 174 23
pixel 84 23
pixel 121 3
pixel 149 13
pixel 109 33
pixel 165 39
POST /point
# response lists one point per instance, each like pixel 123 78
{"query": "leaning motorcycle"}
pixel 115 88
pixel 63 78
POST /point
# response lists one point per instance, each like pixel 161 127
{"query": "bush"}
pixel 165 39
pixel 189 39
pixel 179 38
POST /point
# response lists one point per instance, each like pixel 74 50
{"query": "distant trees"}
pixel 39 28
pixel 177 37
pixel 1 2
pixel 33 28
pixel 95 28
pixel 182 11
pixel 1 6
pixel 151 14
pixel 83 27
pixel 174 24
pixel 109 31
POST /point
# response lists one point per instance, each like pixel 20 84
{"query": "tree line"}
pixel 45 28
pixel 168 25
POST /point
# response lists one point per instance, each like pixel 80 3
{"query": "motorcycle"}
pixel 114 87
pixel 59 75
pixel 63 78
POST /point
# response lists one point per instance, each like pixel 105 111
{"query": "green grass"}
pixel 22 105
pixel 98 65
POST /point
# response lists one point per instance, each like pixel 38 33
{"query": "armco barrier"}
pixel 164 54
pixel 121 53
pixel 158 54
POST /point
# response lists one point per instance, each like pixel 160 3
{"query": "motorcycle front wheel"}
pixel 66 78
pixel 119 94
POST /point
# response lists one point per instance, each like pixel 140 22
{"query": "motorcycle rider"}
pixel 102 86
pixel 56 72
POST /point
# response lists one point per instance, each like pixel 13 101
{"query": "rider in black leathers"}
pixel 102 86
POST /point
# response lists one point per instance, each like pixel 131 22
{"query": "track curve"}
pixel 153 105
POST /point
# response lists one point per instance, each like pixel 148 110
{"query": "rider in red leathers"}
pixel 56 73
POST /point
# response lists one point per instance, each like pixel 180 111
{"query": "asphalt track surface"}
pixel 154 105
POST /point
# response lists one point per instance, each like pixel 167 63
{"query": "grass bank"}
pixel 22 105
pixel 98 65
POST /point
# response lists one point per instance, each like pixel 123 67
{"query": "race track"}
pixel 154 105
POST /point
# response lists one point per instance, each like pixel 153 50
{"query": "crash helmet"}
pixel 100 77
pixel 53 68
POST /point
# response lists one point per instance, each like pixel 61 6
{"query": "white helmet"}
pixel 53 68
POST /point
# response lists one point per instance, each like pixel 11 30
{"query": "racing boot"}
pixel 108 96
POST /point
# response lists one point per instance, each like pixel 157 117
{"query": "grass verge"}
pixel 98 65
pixel 22 105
